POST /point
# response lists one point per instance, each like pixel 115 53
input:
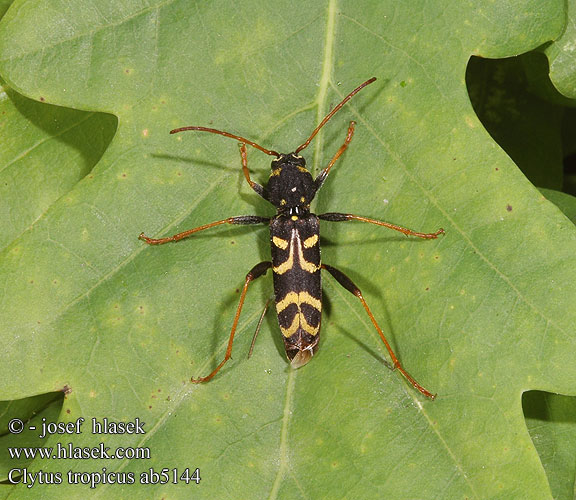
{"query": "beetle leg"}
pixel 338 217
pixel 349 285
pixel 257 271
pixel 243 220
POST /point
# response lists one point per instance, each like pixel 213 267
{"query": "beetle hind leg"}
pixel 257 271
pixel 349 285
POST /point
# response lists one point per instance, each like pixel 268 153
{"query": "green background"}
pixel 95 323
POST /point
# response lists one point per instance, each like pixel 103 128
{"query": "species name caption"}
pixel 63 451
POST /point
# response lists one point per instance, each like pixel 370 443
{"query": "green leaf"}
pixel 479 316
pixel 527 127
pixel 563 201
pixel 4 4
pixel 561 53
pixel 47 150
pixel 551 421
pixel 30 412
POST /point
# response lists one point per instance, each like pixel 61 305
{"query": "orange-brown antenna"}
pixel 333 112
pixel 227 134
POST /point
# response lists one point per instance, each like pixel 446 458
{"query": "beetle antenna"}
pixel 227 134
pixel 333 112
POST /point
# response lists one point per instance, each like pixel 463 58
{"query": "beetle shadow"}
pixel 250 198
pixel 224 312
pixel 373 353
pixel 222 327
pixel 229 302
pixel 191 160
pixel 327 242
pixel 272 323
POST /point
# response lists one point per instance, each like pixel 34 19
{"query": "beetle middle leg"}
pixel 241 220
pixel 339 217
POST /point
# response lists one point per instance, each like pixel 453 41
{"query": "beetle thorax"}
pixel 290 184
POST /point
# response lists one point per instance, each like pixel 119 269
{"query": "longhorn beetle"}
pixel 295 247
